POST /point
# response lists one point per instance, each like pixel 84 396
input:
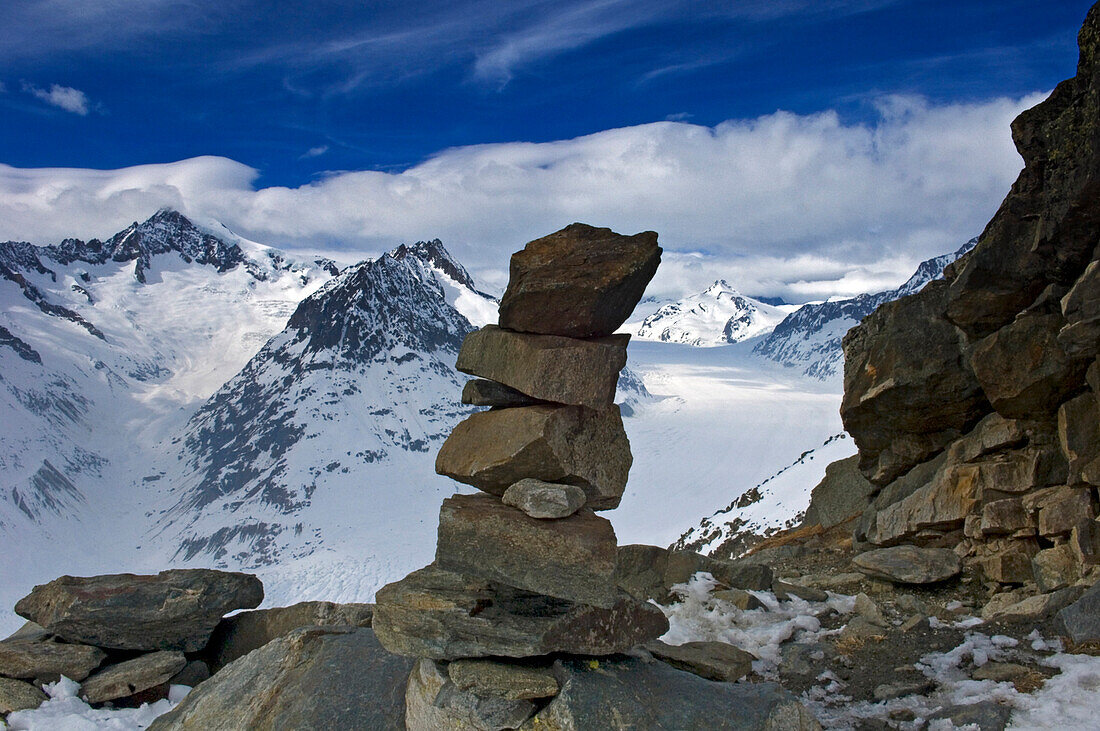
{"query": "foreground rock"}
pixel 1081 620
pixel 628 693
pixel 547 367
pixel 242 633
pixel 494 449
pixel 45 662
pixel 442 615
pixel 909 564
pixel 434 703
pixel 572 558
pixel 315 678
pixel 711 660
pixel 132 677
pixel 174 610
pixel 580 282
pixel 15 695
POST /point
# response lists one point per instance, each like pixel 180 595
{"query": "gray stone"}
pixel 1055 568
pixel 1035 607
pixel 900 689
pixel 16 695
pixel 503 680
pixel 174 610
pixel 443 615
pixel 547 367
pixel 621 693
pixel 315 678
pixel 480 392
pixel 784 591
pixel 1080 621
pixel 1079 433
pixel 984 715
pixel 579 282
pixel 842 495
pixel 909 564
pixel 434 703
pixel 133 676
pixel 571 558
pixel 244 632
pixel 739 598
pixel 47 661
pixel 1001 672
pixel 1081 309
pixel 492 450
pixel 544 500
pixel 711 660
pixel 866 608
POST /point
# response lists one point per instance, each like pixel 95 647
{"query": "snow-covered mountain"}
pixel 718 315
pixel 810 338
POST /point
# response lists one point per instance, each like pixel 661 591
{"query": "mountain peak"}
pixel 435 254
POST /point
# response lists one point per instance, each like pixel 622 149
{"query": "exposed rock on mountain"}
pixel 810 338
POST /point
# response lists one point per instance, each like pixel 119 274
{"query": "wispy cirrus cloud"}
pixel 62 97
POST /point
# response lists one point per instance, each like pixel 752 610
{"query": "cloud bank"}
pixel 62 97
pixel 798 206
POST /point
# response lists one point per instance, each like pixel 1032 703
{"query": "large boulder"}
pixel 444 615
pixel 1023 369
pixel 908 388
pixel 843 494
pixel 623 693
pixel 909 564
pixel 244 632
pixel 47 661
pixel 315 678
pixel 547 367
pixel 579 282
pixel 131 677
pixel 571 558
pixel 492 450
pixel 174 610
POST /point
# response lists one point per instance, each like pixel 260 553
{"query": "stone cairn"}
pixel 525 568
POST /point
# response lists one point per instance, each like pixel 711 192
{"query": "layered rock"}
pixel 975 403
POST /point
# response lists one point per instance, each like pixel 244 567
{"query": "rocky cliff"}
pixel 975 403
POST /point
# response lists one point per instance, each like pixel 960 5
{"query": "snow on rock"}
pixel 717 316
pixel 810 337
pixel 65 711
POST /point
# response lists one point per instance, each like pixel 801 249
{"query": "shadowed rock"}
pixel 133 676
pixel 579 282
pixel 547 367
pixel 572 558
pixel 492 450
pixel 480 392
pixel 174 610
pixel 442 615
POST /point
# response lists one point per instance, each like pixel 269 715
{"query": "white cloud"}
pixel 63 97
pixel 800 206
pixel 314 152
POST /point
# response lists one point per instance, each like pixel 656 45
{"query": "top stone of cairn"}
pixel 579 282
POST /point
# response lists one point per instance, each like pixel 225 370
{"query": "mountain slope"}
pixel 810 338
pixel 718 315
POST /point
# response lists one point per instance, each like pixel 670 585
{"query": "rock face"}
pixel 570 444
pixel 547 367
pixel 974 403
pixel 316 677
pixel 579 282
pixel 174 610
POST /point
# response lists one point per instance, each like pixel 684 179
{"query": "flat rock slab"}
pixel 174 610
pixel 580 282
pixel 481 392
pixel 494 449
pixel 445 615
pixel 48 661
pixel 314 678
pixel 544 500
pixel 909 564
pixel 434 703
pixel 17 695
pixel 711 660
pixel 133 676
pixel 512 681
pixel 572 558
pixel 1081 620
pixel 628 693
pixel 242 633
pixel 547 367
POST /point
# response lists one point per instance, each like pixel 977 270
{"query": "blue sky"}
pixel 292 95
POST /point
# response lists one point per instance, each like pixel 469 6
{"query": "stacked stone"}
pixel 526 568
